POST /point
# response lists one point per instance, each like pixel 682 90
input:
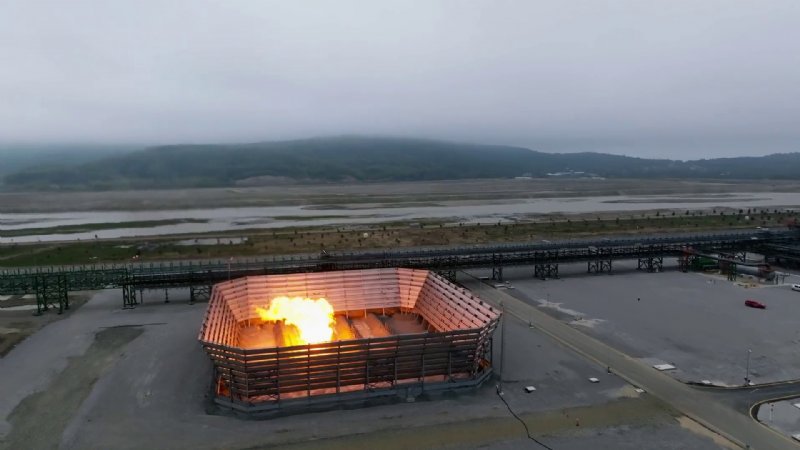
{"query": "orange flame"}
pixel 313 318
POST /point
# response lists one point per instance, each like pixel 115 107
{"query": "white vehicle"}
pixel 796 287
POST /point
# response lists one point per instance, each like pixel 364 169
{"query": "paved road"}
pixel 702 406
pixel 742 399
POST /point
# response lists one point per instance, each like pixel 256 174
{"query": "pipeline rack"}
pixel 51 285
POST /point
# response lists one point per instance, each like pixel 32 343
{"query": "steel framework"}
pixel 598 253
pixel 545 270
pixel 453 353
pixel 51 290
pixel 783 254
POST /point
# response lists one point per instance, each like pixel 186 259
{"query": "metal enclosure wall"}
pixel 454 350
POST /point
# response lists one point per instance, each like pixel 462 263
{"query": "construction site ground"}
pixel 17 321
pixel 104 377
pixel 696 322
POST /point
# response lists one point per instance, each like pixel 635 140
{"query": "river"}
pixel 240 218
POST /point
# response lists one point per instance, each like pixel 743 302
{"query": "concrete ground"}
pixel 696 322
pixel 17 321
pixel 782 416
pixel 104 378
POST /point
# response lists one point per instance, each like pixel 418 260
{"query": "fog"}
pixel 678 79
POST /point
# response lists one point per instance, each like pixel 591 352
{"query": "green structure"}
pixel 51 285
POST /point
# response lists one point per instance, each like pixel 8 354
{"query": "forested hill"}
pixel 369 159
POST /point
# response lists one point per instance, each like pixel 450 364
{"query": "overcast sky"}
pixel 671 78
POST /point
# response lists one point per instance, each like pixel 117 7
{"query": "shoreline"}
pixel 412 193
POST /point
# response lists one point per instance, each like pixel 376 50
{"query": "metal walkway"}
pixel 52 284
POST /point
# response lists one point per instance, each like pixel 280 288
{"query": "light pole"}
pixel 747 369
pixel 229 267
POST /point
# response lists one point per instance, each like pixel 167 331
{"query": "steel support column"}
pixel 601 261
pixel 732 272
pixel 51 290
pixel 686 261
pixel 544 271
pixel 599 266
pixel 497 267
pixel 199 294
pixel 651 263
pixel 129 295
pixel 497 273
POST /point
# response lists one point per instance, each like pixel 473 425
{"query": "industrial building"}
pixel 392 332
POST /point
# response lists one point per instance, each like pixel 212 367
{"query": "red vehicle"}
pixel 755 304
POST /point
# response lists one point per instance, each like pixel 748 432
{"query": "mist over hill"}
pixel 18 157
pixel 367 159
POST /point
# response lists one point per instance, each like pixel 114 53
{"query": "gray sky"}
pixel 673 78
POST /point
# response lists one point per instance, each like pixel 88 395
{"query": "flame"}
pixel 313 318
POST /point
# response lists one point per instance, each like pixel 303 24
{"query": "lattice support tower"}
pixel 199 294
pixel 544 271
pixel 599 266
pixel 497 273
pixel 686 261
pixel 51 290
pixel 651 264
pixel 732 272
pixel 601 263
pixel 497 267
pixel 129 295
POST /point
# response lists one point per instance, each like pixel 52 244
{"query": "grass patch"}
pixel 379 236
pixel 71 253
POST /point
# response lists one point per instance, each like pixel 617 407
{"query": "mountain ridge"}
pixel 353 158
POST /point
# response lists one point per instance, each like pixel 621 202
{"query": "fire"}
pixel 313 318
